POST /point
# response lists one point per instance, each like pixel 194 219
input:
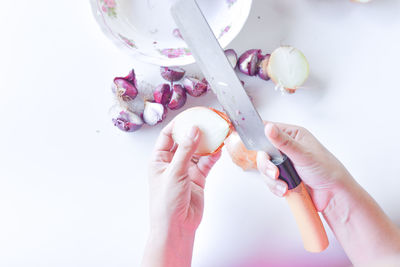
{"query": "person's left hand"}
pixel 177 180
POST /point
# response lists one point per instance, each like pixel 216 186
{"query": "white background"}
pixel 73 189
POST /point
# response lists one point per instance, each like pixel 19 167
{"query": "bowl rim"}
pixel 136 54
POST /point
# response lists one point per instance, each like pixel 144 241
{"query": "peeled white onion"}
pixel 288 68
pixel 240 155
pixel 214 126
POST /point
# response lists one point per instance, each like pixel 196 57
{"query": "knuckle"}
pixel 286 142
pixel 161 156
pixel 187 145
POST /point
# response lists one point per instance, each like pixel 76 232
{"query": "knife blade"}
pixel 223 80
pixel 217 69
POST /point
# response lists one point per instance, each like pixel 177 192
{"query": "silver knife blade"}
pixel 224 82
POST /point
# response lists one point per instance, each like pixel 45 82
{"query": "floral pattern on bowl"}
pixel 224 31
pixel 175 52
pixel 127 23
pixel 127 41
pixel 231 2
pixel 109 7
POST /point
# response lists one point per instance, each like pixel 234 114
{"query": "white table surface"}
pixel 73 189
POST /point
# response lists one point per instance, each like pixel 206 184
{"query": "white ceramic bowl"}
pixel 145 28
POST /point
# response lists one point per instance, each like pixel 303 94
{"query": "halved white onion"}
pixel 214 126
pixel 288 68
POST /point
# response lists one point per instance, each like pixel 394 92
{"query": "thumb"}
pixel 184 153
pixel 283 141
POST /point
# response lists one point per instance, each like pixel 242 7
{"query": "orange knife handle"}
pixel 310 225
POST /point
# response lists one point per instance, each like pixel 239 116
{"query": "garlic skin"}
pixel 127 121
pixel 124 89
pixel 162 94
pixel 195 87
pixel 172 74
pixel 178 98
pixel 248 62
pixel 131 77
pixel 240 155
pixel 262 67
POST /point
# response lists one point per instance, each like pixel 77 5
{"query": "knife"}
pixel 224 82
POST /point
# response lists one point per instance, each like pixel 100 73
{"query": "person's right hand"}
pixel 365 232
pixel 322 173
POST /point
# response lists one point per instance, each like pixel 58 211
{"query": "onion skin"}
pixel 125 89
pixel 248 62
pixel 128 122
pixel 195 87
pixel 206 83
pixel 179 97
pixel 132 77
pixel 262 68
pixel 231 129
pixel 225 117
pixel 162 94
pixel 172 74
pixel 240 155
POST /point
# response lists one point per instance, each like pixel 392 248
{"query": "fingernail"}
pixel 273 131
pixel 193 132
pixel 280 188
pixel 270 173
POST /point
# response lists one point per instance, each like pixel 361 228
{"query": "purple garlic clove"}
pixel 162 94
pixel 131 77
pixel 195 87
pixel 178 98
pixel 125 89
pixel 154 113
pixel 128 122
pixel 208 85
pixel 262 67
pixel 248 62
pixel 232 57
pixel 172 74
